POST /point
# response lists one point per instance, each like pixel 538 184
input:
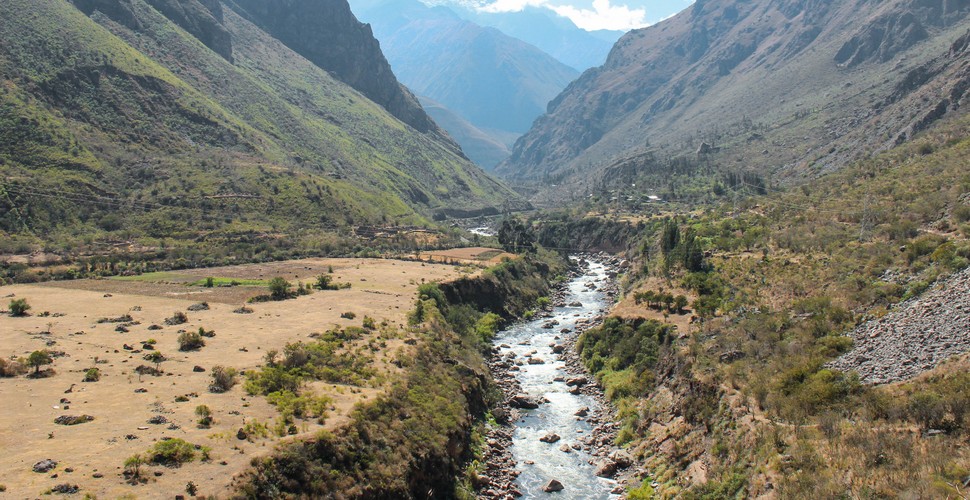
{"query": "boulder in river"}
pixel 552 437
pixel 605 468
pixel 523 401
pixel 582 412
pixel 553 486
pixel 576 381
pixel 536 361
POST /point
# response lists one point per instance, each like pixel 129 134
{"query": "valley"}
pixel 471 250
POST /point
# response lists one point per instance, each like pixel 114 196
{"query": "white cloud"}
pixel 512 5
pixel 603 16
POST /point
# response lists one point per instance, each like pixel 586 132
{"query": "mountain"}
pixel 495 82
pixel 175 118
pixel 792 88
pixel 483 148
pixel 553 34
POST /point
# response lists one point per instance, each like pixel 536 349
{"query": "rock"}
pixel 576 381
pixel 552 437
pixel 565 448
pixel 45 465
pixel 731 356
pixel 558 349
pixel 158 420
pixel 66 489
pixel 241 434
pixel 575 391
pixel 553 486
pixel 536 361
pixel 523 401
pixel 605 468
pixel 198 369
pixel 622 458
pixel 582 412
pixel 576 304
pixel 73 419
pixel 97 475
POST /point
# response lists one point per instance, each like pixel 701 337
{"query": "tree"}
pixel 19 307
pixel 515 236
pixel 680 302
pixel 670 237
pixel 324 282
pixel 205 416
pixel 668 300
pixel 155 357
pixel 279 288
pixel 38 359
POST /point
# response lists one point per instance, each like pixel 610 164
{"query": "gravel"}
pixel 915 337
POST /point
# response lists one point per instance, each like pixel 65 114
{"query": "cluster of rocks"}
pixel 915 337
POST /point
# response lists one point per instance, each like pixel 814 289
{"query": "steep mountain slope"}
pixel 482 148
pixel 793 87
pixel 127 123
pixel 493 81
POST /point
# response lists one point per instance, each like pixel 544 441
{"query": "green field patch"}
pixel 220 282
pixel 158 277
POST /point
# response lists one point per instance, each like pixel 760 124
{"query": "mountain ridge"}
pixel 746 78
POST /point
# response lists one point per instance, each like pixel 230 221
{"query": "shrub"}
pixel 205 416
pixel 171 452
pixel 223 379
pixel 92 375
pixel 210 282
pixel 348 315
pixel 11 368
pixel 177 318
pixel 279 288
pixel 190 341
pixel 19 307
pixel 369 323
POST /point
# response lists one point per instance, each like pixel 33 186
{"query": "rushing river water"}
pixel 537 461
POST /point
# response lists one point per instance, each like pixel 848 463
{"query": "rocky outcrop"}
pixel 328 34
pixel 915 337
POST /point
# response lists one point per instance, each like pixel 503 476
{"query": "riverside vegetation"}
pixel 415 439
pixel 743 402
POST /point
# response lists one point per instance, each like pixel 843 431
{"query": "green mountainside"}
pixel 122 124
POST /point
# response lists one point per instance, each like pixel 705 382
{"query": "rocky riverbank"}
pixel 499 479
pixel 915 337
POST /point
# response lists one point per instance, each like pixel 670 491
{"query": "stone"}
pixel 605 468
pixel 45 465
pixel 622 458
pixel 536 361
pixel 576 381
pixel 198 369
pixel 552 437
pixel 553 486
pixel 565 448
pixel 73 419
pixel 523 401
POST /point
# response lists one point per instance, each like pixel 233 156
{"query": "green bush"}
pixel 18 307
pixel 174 452
pixel 279 288
pixel 205 416
pixel 92 375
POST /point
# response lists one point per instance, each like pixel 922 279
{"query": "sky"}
pixel 597 14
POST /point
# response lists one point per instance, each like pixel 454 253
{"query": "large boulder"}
pixel 524 402
pixel 553 486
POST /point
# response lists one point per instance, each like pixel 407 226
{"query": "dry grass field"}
pixel 64 318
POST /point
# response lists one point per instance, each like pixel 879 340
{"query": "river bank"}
pixel 556 428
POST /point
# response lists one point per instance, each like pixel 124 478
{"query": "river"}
pixel 538 462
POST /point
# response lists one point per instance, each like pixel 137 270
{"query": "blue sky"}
pixel 594 14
